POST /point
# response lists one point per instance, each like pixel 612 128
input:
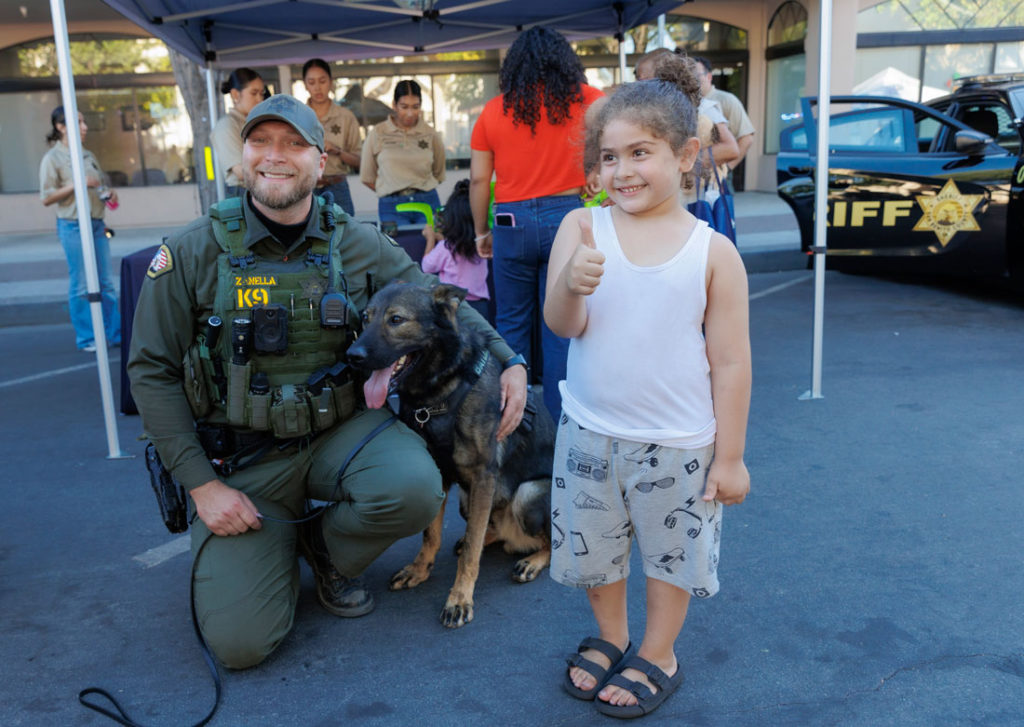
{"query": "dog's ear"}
pixel 449 296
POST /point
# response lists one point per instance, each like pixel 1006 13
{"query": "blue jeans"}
pixel 520 275
pixel 342 195
pixel 386 207
pixel 78 293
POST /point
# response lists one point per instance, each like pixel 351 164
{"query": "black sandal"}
pixel 595 670
pixel 647 700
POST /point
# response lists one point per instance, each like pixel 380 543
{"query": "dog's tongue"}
pixel 375 390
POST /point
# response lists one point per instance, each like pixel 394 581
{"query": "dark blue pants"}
pixel 520 275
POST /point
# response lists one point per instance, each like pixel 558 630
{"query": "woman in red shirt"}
pixel 530 138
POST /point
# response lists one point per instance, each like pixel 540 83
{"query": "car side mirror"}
pixel 972 143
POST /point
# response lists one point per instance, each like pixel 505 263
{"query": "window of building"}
pixel 138 128
pixel 943 64
pixel 964 40
pixel 1009 57
pixel 888 72
pixel 786 76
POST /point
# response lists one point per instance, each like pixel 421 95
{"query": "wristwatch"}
pixel 516 360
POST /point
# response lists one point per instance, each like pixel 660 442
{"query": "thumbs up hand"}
pixel 586 266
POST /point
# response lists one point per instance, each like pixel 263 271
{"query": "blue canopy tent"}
pixel 272 32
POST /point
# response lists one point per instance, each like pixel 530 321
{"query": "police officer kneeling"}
pixel 237 367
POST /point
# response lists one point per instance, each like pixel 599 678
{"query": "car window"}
pixel 875 130
pixel 993 119
pixel 926 129
pixel 793 138
pixel 1017 96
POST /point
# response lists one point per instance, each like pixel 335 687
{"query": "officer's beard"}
pixel 279 197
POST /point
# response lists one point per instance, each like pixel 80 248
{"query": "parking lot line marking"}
pixel 54 372
pixel 161 553
pixel 781 286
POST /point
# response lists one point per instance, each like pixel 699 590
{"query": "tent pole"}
pixel 821 192
pixel 92 278
pixel 211 97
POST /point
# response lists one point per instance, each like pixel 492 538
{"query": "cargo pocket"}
pixel 290 412
pixel 324 414
pixel 344 400
pixel 259 412
pixel 196 390
pixel 238 390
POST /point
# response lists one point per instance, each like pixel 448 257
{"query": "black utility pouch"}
pixel 170 495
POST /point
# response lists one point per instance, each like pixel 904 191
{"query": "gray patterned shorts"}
pixel 604 491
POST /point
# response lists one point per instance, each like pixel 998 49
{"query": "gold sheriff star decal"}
pixel 948 212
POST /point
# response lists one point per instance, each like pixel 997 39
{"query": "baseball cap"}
pixel 291 111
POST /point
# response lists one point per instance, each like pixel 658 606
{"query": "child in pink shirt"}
pixel 453 258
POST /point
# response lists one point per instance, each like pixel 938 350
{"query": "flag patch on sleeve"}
pixel 161 263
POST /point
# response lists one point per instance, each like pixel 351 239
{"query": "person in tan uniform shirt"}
pixel 56 187
pixel 246 89
pixel 403 159
pixel 341 133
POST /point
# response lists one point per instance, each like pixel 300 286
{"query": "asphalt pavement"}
pixel 871 578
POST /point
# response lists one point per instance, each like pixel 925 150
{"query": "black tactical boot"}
pixel 345 597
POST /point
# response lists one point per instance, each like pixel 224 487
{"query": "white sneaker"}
pixel 88 348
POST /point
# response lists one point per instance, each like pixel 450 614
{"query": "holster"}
pixel 170 495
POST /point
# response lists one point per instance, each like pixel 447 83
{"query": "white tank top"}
pixel 640 369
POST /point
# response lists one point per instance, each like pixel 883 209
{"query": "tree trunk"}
pixel 192 84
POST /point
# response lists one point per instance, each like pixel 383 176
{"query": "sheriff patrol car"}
pixel 930 188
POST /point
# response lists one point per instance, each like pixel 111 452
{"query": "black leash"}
pixel 121 716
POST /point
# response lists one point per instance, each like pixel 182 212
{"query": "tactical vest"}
pixel 303 386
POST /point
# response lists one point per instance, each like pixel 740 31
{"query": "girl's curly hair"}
pixel 541 71
pixel 655 105
pixel 457 223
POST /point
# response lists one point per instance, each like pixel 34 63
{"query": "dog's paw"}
pixel 524 571
pixel 457 615
pixel 528 568
pixel 408 577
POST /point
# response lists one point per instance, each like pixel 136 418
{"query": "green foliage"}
pixel 93 57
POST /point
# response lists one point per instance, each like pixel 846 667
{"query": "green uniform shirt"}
pixel 178 296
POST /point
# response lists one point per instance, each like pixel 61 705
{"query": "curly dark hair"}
pixel 457 223
pixel 540 70
pixel 658 106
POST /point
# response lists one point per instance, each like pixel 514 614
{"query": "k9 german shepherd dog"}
pixel 448 390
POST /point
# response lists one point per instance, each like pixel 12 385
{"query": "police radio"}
pixel 333 310
pixel 334 305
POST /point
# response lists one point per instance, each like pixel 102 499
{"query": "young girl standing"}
pixel 655 400
pixel 454 258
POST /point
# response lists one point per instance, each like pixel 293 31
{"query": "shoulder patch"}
pixel 161 263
